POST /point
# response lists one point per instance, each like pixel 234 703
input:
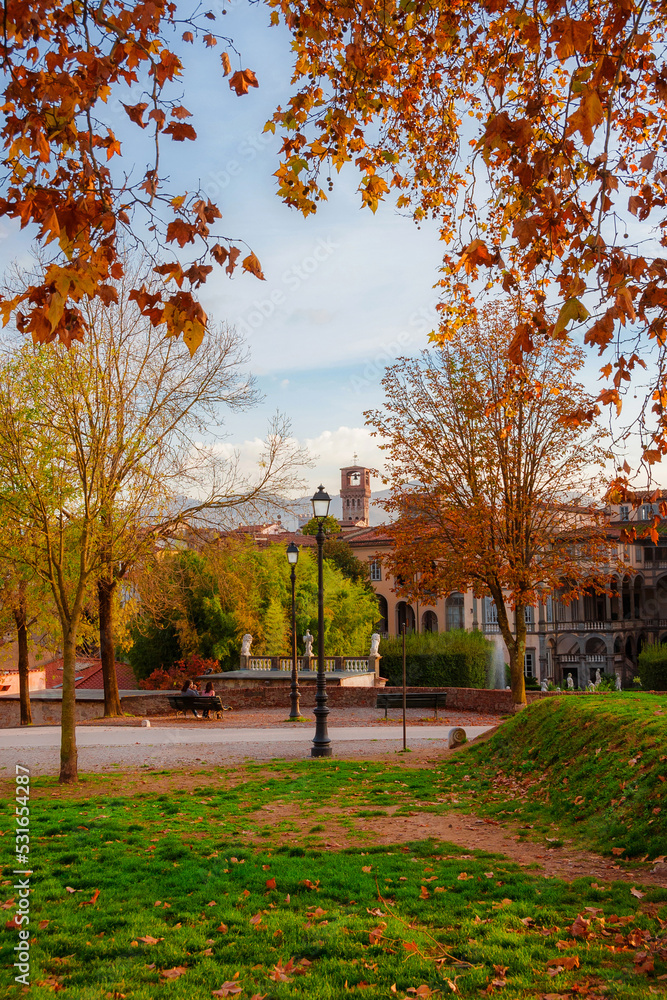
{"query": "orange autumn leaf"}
pixel 242 80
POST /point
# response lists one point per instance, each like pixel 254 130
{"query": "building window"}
pixel 376 570
pixel 455 605
pixel 529 663
pixel 625 513
pixel 647 512
pixel 490 615
pixel 529 615
pixel 549 608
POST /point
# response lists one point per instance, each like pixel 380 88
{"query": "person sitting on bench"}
pixel 188 689
pixel 208 693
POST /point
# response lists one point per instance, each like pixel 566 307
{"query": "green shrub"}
pixel 447 659
pixel 653 667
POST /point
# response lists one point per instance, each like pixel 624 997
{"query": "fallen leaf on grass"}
pixel 150 940
pixel 617 850
pixel 637 893
pixel 223 928
pixel 643 962
pixel 227 989
pixel 52 983
pixel 175 973
pixel 213 902
pixel 420 991
pixel 69 888
pixel 463 877
pixel 375 935
pixel 256 920
pixel 424 893
pixel 568 962
pixel 581 927
pixel 8 904
pixel 43 924
pixel 555 970
pixel 270 883
pixel 367 868
pixel 281 973
pixel 311 885
pixel 600 888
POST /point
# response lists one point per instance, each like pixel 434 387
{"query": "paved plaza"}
pixel 108 746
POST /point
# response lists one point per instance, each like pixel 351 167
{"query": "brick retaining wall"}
pixel 274 695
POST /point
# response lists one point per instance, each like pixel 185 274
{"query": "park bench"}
pixel 185 704
pixel 426 699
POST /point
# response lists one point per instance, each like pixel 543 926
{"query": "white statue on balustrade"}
pixel 308 640
pixel 246 643
pixel 544 686
pixel 375 644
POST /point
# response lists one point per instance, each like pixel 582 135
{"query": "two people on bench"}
pixel 190 689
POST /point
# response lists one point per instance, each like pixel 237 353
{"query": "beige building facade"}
pixel 604 632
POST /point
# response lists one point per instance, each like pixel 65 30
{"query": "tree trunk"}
pixel 515 640
pixel 105 589
pixel 68 752
pixel 20 611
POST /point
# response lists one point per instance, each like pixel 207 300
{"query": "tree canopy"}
pixel 68 175
pixel 533 133
pixel 201 603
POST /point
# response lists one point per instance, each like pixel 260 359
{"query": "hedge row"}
pixel 652 666
pixel 448 659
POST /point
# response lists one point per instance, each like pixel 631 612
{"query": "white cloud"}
pixel 330 451
pixel 333 450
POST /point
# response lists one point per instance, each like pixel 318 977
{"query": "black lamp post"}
pixel 321 743
pixel 292 559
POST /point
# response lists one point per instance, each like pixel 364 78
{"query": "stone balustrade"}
pixel 332 664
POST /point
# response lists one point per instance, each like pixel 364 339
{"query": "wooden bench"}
pixel 426 699
pixel 186 703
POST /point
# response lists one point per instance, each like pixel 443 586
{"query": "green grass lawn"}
pixel 593 766
pixel 200 892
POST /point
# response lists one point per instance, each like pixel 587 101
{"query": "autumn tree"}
pixel 49 465
pixel 201 602
pixel 533 134
pixel 73 177
pixel 491 484
pixel 161 466
pixel 98 446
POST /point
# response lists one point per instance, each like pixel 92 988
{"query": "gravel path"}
pixel 173 742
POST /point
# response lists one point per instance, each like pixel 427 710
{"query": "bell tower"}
pixel 355 495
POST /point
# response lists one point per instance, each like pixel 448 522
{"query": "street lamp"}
pixel 292 559
pixel 321 743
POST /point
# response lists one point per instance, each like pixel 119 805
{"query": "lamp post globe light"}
pixel 292 559
pixel 321 743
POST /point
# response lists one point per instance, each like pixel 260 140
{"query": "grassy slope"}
pixel 595 765
pixel 424 916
